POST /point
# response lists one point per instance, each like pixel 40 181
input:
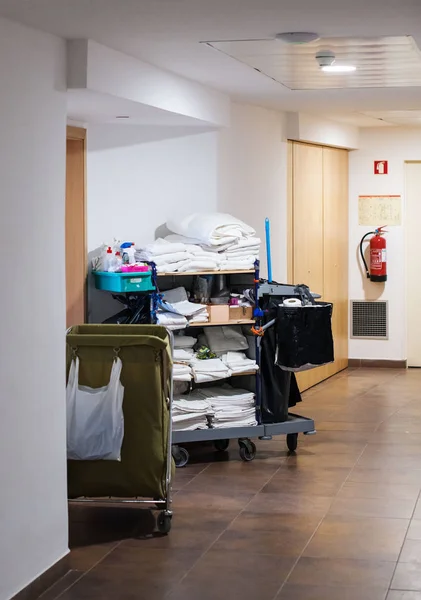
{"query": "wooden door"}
pixel 413 286
pixel 335 250
pixel 76 255
pixel 318 242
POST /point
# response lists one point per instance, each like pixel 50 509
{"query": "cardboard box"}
pixel 240 313
pixel 219 313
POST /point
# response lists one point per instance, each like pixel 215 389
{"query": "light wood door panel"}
pixel 307 216
pixel 76 258
pixel 335 251
pixel 318 243
pixel 413 286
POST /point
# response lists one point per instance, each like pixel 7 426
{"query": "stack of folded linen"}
pixel 168 257
pixel 190 412
pixel 230 240
pixel 237 363
pixel 211 369
pixel 181 372
pixel 232 407
pixel 175 302
pixel 171 320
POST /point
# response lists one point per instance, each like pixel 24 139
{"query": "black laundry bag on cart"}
pixel 279 389
pixel 304 336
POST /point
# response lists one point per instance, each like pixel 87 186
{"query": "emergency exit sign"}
pixel 381 167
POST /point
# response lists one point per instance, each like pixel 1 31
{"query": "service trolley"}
pixel 143 475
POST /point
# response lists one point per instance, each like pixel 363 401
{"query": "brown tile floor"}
pixel 340 520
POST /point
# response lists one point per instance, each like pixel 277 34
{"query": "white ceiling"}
pixel 167 33
pixel 380 62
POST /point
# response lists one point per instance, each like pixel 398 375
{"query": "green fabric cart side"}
pixel 146 357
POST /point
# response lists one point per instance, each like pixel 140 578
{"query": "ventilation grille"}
pixel 369 319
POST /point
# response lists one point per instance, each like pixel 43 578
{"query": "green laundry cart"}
pixel 143 475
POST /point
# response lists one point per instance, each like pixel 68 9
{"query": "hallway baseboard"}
pixel 368 363
pixel 44 581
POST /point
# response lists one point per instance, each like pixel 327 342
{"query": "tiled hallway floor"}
pixel 340 520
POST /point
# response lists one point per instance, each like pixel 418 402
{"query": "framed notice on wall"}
pixel 379 210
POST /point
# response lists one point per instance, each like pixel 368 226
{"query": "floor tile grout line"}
pixel 318 525
pixel 403 543
pixel 89 570
pixel 222 532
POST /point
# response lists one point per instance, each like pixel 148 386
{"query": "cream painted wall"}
pixel 33 487
pixel 395 145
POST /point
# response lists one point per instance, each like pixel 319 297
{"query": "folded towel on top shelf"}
pixel 160 247
pixel 183 355
pixel 232 407
pixel 213 229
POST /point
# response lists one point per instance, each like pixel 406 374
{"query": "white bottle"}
pixel 107 260
pixel 129 255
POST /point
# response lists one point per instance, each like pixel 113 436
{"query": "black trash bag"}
pixel 279 389
pixel 304 336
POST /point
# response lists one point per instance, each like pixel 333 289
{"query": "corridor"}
pixel 340 520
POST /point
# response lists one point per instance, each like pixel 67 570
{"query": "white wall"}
pixel 395 145
pixel 137 178
pixel 33 506
pixel 253 176
pixel 302 127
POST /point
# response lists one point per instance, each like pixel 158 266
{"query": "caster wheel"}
pixel 180 456
pixel 292 441
pixel 221 445
pixel 247 450
pixel 163 523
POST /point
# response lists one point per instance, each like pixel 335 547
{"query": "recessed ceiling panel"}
pixel 380 63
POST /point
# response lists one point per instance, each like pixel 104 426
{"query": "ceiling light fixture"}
pixel 297 37
pixel 338 68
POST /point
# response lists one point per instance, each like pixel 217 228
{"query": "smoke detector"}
pixel 297 37
pixel 325 58
pixel 327 63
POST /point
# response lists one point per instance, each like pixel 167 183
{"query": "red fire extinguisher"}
pixel 378 262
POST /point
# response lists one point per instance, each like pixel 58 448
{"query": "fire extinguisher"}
pixel 378 262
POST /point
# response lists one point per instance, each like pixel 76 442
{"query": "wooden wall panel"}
pixel 76 256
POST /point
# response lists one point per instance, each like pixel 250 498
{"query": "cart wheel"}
pixel 247 450
pixel 292 441
pixel 163 522
pixel 180 456
pixel 221 445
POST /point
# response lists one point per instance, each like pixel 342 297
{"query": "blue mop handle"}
pixel 268 253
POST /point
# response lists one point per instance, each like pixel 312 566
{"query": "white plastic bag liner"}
pixel 95 422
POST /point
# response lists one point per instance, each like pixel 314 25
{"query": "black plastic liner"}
pixel 279 389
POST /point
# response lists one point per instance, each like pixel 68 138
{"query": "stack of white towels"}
pixel 227 342
pixel 231 407
pixel 183 355
pixel 203 242
pixel 190 412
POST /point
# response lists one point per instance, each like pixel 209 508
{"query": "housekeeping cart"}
pixel 143 475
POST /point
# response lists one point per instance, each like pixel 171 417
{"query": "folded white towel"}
pixel 184 341
pixel 163 259
pixel 171 320
pixel 182 355
pixel 211 228
pixel 199 264
pixel 172 267
pixel 161 246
